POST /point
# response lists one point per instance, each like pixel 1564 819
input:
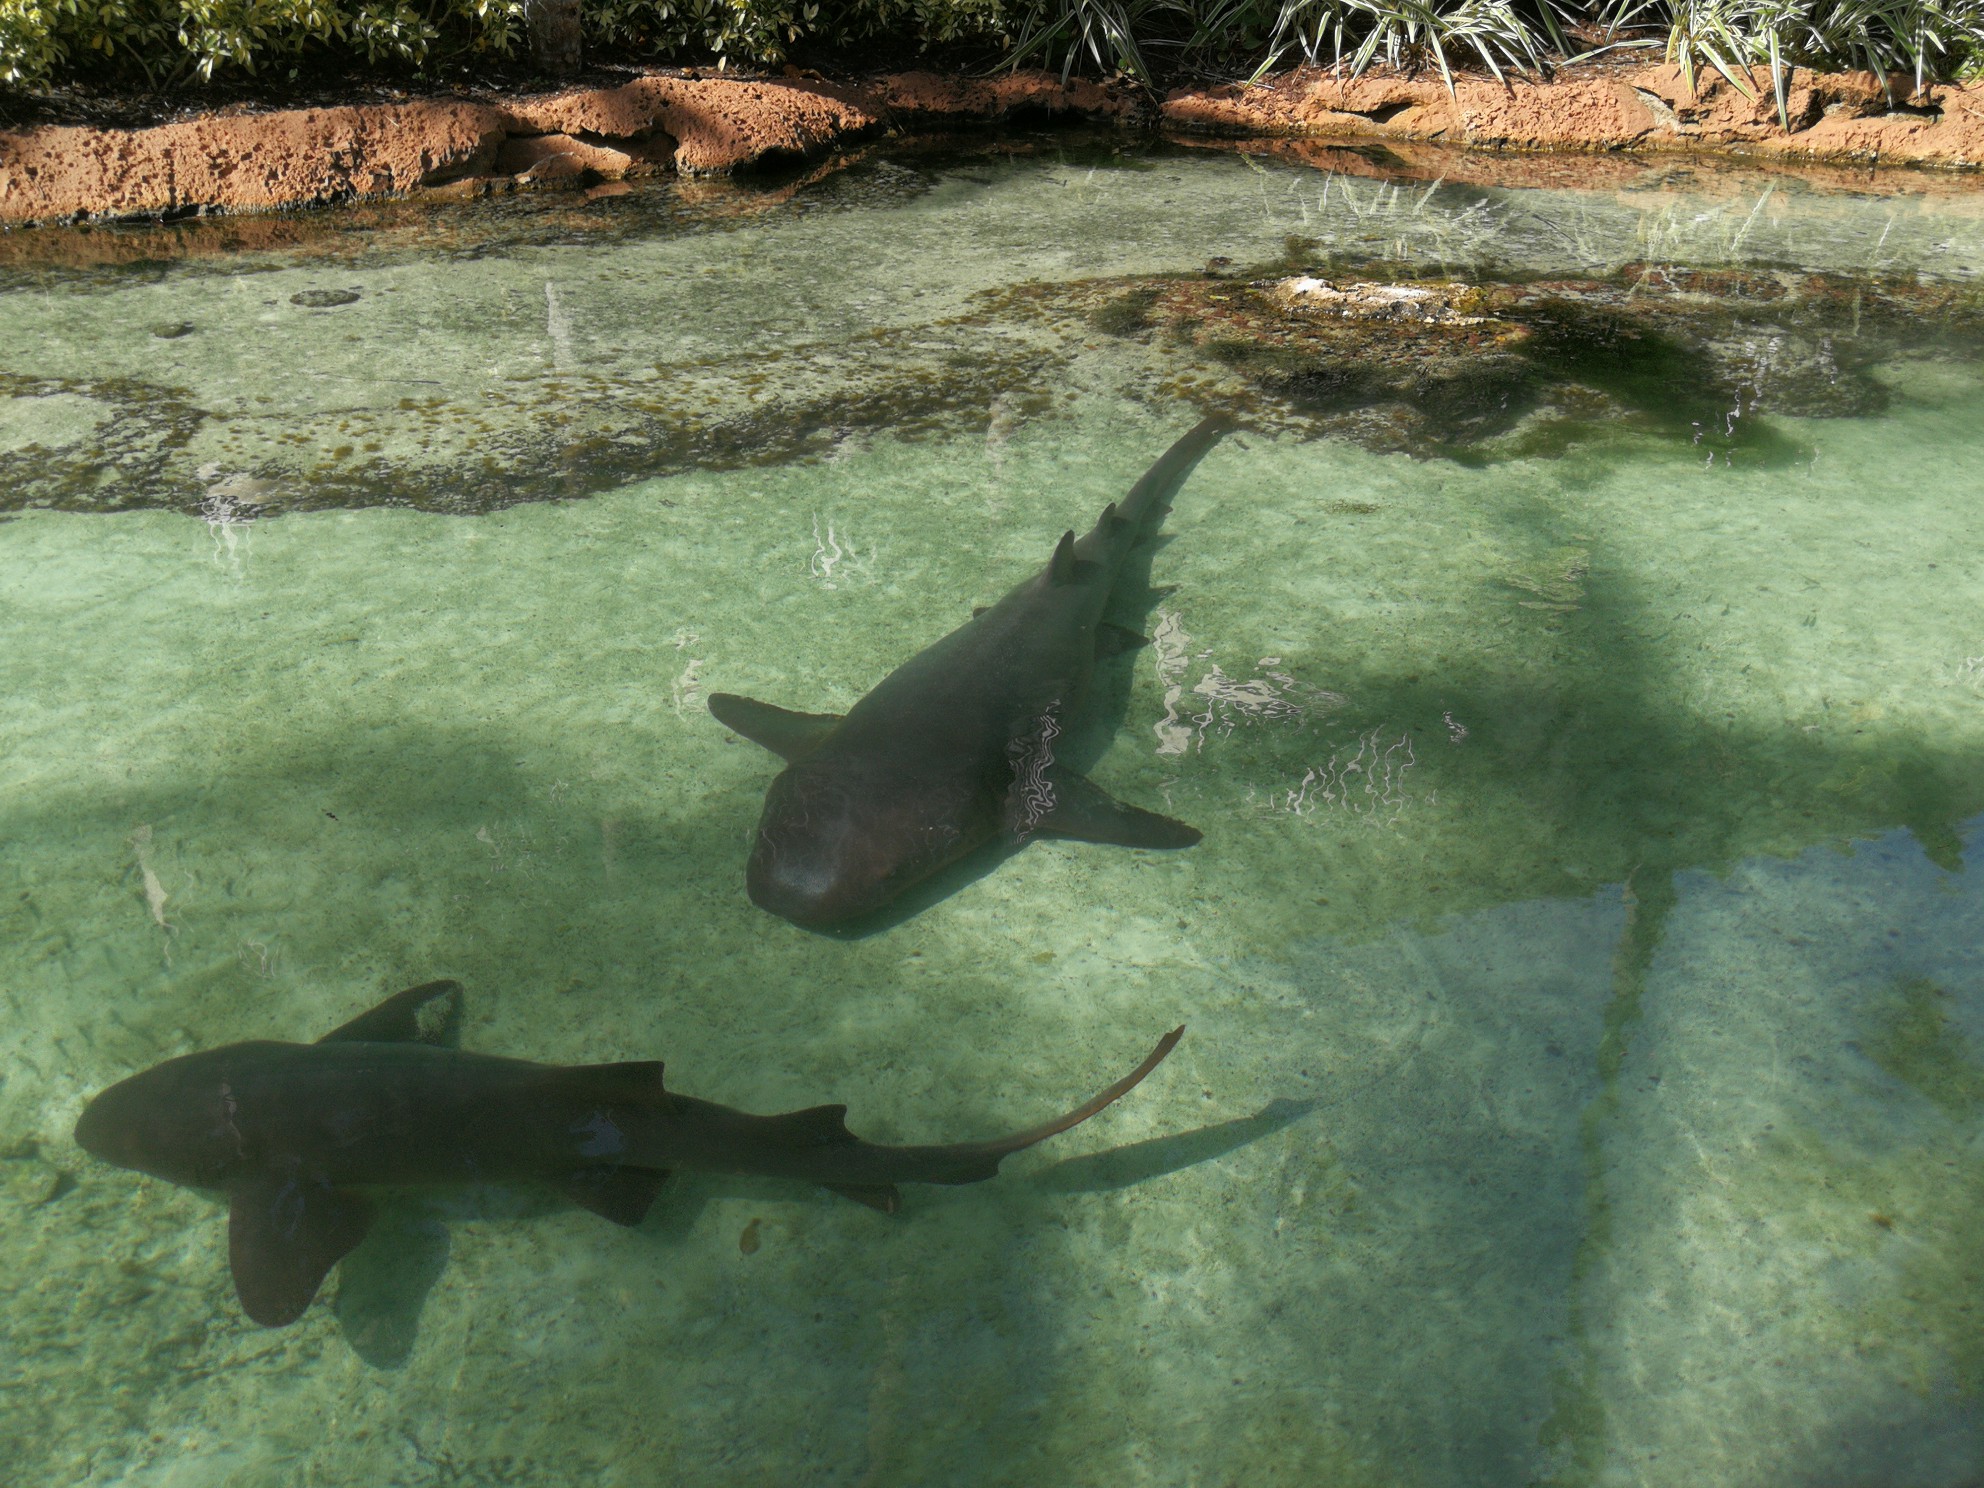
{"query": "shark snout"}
pixel 174 1121
pixel 94 1131
pixel 806 892
pixel 116 1126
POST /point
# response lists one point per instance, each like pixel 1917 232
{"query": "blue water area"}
pixel 1574 665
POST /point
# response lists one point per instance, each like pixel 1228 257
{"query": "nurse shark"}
pixel 958 745
pixel 294 1135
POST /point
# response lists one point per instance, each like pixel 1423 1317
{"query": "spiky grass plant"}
pixel 173 42
pixel 1105 32
pixel 1923 39
pixel 1405 32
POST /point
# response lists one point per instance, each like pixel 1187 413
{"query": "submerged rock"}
pixel 324 299
pixel 1447 368
pixel 1429 304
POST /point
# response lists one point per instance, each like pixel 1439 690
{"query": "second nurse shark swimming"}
pixel 955 749
pixel 957 745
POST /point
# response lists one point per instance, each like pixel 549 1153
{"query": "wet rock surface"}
pixel 554 347
pixel 1607 106
pixel 1500 370
pixel 1435 369
pixel 687 122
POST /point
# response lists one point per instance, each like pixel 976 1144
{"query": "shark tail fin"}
pixel 974 1162
pixel 1150 497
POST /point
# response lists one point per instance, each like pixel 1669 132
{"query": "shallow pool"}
pixel 1584 1075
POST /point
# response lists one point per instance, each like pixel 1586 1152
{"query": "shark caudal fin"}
pixel 974 1162
pixel 1019 1141
pixel 1123 524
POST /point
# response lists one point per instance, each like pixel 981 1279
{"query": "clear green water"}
pixel 1584 1081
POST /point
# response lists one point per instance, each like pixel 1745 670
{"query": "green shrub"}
pixel 30 49
pixel 172 42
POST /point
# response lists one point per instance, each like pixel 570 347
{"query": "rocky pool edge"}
pixel 691 123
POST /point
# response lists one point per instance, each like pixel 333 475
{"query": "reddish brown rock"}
pixel 247 162
pixel 243 162
pixel 235 161
pixel 719 124
pixel 540 157
pixel 929 97
pixel 1834 117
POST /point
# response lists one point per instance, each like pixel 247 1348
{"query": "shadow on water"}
pixel 1586 755
pixel 383 1285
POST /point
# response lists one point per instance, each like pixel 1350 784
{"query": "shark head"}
pixel 175 1121
pixel 833 848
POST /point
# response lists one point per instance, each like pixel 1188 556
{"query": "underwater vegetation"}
pixel 1482 369
pixel 1384 355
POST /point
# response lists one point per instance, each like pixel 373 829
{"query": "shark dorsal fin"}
pixel 789 735
pixel 1064 567
pixel 631 1082
pixel 816 1126
pixel 1112 519
pixel 428 1014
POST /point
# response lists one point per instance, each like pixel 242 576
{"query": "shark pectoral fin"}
pixel 428 1014
pixel 283 1236
pixel 883 1196
pixel 790 736
pixel 1113 640
pixel 1075 806
pixel 622 1195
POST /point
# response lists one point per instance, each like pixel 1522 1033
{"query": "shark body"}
pixel 963 742
pixel 294 1134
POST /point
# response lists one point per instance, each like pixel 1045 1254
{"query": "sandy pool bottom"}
pixel 1580 970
